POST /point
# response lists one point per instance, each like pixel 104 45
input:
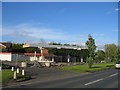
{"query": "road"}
pixel 102 79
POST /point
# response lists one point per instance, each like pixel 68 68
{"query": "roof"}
pixel 21 53
pixel 49 55
pixel 3 46
pixel 45 45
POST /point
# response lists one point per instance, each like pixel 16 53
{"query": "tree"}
pixel 111 51
pixel 32 50
pixel 100 55
pixel 66 44
pixel 84 53
pixel 118 54
pixel 91 48
pixel 17 48
pixel 53 43
pixel 90 61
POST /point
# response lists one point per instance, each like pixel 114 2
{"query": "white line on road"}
pixel 113 75
pixel 94 81
pixel 100 79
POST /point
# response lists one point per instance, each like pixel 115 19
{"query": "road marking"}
pixel 113 75
pixel 100 79
pixel 94 81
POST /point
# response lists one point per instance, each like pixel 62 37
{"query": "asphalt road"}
pixel 102 79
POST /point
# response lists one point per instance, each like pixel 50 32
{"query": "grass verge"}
pixel 6 76
pixel 85 68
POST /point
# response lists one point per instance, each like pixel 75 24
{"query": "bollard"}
pixel 17 70
pixel 0 68
pixel 15 75
pixel 23 72
pixel 12 68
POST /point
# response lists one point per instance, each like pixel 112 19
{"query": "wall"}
pixel 20 57
pixel 13 57
pixel 6 56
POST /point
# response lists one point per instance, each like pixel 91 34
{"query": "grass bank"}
pixel 85 68
pixel 6 76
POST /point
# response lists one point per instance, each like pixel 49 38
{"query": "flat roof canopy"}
pixel 41 45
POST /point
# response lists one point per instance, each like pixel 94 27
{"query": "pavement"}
pixel 55 78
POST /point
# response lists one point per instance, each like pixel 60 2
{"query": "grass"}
pixel 85 68
pixel 6 76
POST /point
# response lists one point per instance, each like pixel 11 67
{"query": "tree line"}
pixel 18 48
pixel 111 52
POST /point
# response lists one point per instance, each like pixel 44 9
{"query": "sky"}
pixel 62 22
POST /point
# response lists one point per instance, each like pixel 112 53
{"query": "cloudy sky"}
pixel 64 22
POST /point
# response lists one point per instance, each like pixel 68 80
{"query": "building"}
pixel 44 56
pixel 2 46
pixel 59 58
pixel 8 45
pixel 7 56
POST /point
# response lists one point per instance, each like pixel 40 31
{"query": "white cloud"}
pixel 117 9
pixel 112 11
pixel 26 30
pixel 32 31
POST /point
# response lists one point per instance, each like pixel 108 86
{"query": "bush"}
pixel 7 66
pixel 22 77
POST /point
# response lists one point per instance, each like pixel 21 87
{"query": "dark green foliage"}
pixel 90 61
pixel 91 46
pixel 22 77
pixel 84 53
pixel 100 56
pixel 91 49
pixel 3 49
pixel 111 52
pixel 73 45
pixel 78 53
pixel 6 67
pixel 66 44
pixel 31 50
pixel 118 55
pixel 52 43
pixel 17 48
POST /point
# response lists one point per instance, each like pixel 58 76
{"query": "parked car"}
pixel 117 65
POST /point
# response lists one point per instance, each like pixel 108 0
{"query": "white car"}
pixel 117 65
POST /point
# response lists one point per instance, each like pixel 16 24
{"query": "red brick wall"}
pixel 45 51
